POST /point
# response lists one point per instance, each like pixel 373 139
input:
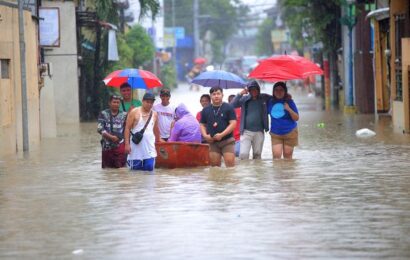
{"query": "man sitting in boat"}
pixel 186 127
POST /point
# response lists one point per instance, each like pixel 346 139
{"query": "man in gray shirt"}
pixel 254 119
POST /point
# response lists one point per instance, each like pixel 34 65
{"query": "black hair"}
pixel 214 89
pixel 283 85
pixel 207 96
pixel 231 96
pixel 125 85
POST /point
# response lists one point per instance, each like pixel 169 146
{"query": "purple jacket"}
pixel 186 127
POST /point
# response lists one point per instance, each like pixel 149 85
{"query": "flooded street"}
pixel 341 197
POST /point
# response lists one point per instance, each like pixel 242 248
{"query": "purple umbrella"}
pixel 219 78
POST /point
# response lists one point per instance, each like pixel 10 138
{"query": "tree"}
pixel 263 38
pixel 313 22
pixel 95 66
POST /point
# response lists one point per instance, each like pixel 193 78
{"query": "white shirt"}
pixel 146 148
pixel 165 117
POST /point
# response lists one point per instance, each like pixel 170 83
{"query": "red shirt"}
pixel 237 130
pixel 198 116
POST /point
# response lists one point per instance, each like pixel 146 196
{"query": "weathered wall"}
pixel 11 137
pixel 405 44
pixel 64 65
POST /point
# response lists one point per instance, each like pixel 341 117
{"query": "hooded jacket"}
pixel 186 127
pixel 242 101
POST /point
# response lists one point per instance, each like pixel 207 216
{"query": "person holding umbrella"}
pixel 254 119
pixel 128 102
pixel 218 121
pixel 284 116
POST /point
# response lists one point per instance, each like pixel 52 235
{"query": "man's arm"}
pixel 229 129
pixel 128 125
pixel 156 127
pixel 174 133
pixel 207 137
pixel 265 96
pixel 239 98
pixel 104 132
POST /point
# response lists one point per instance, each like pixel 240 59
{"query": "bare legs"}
pixel 280 149
pixel 216 158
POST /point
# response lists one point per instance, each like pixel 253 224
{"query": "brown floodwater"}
pixel 341 197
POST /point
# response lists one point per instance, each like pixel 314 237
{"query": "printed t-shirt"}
pixel 217 119
pixel 166 115
pixel 281 121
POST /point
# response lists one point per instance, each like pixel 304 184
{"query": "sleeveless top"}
pixel 146 148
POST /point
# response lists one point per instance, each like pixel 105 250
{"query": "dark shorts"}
pixel 114 158
pixel 224 146
pixel 142 165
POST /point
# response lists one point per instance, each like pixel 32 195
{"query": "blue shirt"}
pixel 281 122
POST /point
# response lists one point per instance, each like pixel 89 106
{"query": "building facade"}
pixel 11 126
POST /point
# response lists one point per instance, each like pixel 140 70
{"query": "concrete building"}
pixel 60 93
pixel 392 61
pixel 11 129
pixel 400 63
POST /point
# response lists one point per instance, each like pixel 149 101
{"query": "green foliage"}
pixel 125 53
pixel 147 6
pixel 141 44
pixel 263 38
pixel 135 49
pixel 168 75
pixel 313 21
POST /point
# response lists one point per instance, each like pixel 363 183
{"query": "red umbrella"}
pixel 285 67
pixel 200 60
pixel 136 78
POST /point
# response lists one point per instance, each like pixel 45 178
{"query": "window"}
pixel 398 35
pixel 5 68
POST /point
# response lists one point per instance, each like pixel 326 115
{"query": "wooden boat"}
pixel 181 155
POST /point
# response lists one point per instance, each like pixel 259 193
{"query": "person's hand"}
pixel 209 139
pixel 218 137
pixel 244 91
pixel 114 139
pixel 127 148
pixel 286 106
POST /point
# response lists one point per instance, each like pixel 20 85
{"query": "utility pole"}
pixel 23 76
pixel 174 51
pixel 196 28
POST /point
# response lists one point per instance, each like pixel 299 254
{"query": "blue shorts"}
pixel 142 165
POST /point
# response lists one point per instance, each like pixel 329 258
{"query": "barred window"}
pixel 399 21
pixel 5 68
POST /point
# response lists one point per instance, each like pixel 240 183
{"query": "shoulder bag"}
pixel 137 137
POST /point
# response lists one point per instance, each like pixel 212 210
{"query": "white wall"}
pixel 64 79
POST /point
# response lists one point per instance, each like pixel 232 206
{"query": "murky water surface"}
pixel 342 197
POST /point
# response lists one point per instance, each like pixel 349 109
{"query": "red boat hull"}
pixel 181 155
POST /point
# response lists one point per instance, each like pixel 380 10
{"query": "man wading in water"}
pixel 217 124
pixel 141 156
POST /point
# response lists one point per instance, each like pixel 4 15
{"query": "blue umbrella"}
pixel 219 78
